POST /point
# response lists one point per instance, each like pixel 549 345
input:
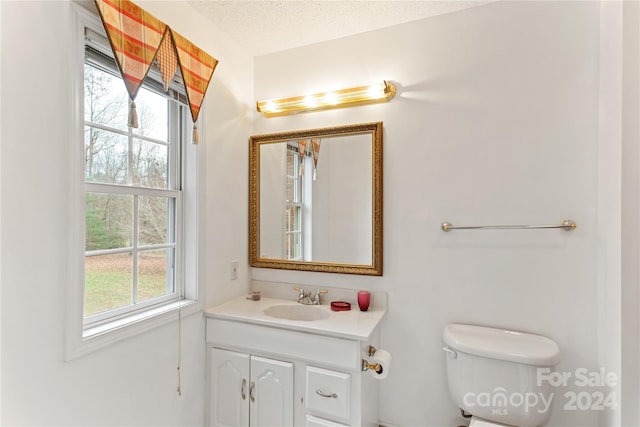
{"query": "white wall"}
pixel 342 195
pixel 495 122
pixel 273 169
pixel 134 381
pixel 630 351
pixel 609 212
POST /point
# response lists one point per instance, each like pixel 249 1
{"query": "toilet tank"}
pixel 493 373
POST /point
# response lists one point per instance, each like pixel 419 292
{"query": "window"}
pixel 133 192
pixel 137 203
pixel 293 208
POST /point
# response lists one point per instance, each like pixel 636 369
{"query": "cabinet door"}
pixel 229 389
pixel 271 393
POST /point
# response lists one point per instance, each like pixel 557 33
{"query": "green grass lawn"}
pixel 108 287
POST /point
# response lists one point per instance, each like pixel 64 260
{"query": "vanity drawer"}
pixel 328 393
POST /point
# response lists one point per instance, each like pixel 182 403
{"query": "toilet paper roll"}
pixel 382 358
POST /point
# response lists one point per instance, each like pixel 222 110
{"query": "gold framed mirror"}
pixel 315 200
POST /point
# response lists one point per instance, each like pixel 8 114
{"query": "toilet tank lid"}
pixel 512 346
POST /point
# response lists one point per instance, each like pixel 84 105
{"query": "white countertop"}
pixel 353 324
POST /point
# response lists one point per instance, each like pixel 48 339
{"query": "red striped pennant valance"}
pixel 315 143
pixel 301 152
pixel 167 60
pixel 197 68
pixel 138 39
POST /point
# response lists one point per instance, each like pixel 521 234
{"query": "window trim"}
pixel 81 341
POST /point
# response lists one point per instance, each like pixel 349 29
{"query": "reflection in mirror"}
pixel 316 200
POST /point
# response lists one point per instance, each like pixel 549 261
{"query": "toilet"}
pixel 500 377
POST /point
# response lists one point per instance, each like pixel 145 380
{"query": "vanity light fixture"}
pixel 377 92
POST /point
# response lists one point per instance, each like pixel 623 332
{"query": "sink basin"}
pixel 296 312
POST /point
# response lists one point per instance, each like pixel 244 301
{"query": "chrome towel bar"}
pixel 567 225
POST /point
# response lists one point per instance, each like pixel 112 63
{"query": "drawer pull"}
pixel 330 396
pixel 251 389
pixel 243 388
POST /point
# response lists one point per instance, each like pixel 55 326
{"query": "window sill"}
pixel 109 333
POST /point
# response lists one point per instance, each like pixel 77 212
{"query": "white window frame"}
pixel 298 205
pixel 79 339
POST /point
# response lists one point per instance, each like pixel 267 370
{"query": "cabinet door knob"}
pixel 243 388
pixel 330 396
pixel 251 388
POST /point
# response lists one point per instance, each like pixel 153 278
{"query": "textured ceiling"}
pixel 267 26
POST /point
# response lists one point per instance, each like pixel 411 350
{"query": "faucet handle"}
pixel 301 295
pixel 316 296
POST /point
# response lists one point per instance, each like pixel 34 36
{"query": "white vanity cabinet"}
pixel 300 377
pixel 248 390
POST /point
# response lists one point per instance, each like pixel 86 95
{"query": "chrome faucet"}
pixel 306 298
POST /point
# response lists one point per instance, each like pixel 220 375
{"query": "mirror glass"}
pixel 316 200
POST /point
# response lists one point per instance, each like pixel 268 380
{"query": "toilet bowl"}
pixel 493 375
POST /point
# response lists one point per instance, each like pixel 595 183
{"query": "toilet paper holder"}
pixel 366 365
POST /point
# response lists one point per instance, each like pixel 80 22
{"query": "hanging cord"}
pixel 179 389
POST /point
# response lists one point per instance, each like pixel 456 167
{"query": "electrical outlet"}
pixel 233 270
